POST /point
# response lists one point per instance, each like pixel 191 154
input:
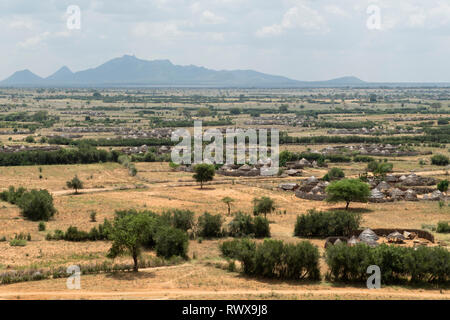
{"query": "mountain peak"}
pixel 63 74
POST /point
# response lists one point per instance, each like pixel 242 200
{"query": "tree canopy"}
pixel 204 173
pixel 348 190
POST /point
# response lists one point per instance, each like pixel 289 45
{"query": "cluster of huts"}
pixel 9 132
pixel 401 187
pixel 144 149
pixel 121 132
pixel 374 131
pixel 373 239
pixel 277 120
pixel 370 149
pixel 393 188
pixel 86 113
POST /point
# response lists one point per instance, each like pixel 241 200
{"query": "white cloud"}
pixel 35 40
pixel 299 17
pixel 21 23
pixel 336 10
pixel 212 18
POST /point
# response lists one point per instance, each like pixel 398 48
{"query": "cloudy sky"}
pixel 375 40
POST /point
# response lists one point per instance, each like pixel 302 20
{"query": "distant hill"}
pixel 22 77
pixel 129 71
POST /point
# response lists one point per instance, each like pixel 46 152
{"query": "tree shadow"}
pixel 206 188
pixel 353 210
pixel 275 281
pixel 130 275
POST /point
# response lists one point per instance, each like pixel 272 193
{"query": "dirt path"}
pixel 180 293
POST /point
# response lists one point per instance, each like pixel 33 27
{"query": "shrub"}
pixel 37 205
pixel 334 174
pixel 210 225
pixel 11 195
pixel 274 259
pixel 439 160
pixel 379 168
pixel 397 264
pixel 241 226
pixel 443 227
pixel 262 228
pixel 327 223
pixel 93 216
pixel 18 243
pixel 443 186
pixel 171 242
pixel 41 226
pixel 180 219
pixel 360 158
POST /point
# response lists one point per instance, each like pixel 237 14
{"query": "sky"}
pixel 374 40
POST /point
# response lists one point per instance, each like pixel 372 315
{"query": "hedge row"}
pixel 63 156
pixel 274 259
pixel 327 223
pixel 397 264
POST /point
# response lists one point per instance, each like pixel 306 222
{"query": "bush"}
pixel 360 158
pixel 171 242
pixel 37 205
pixel 443 186
pixel 11 195
pixel 180 219
pixel 274 259
pixel 443 227
pixel 326 223
pixel 244 225
pixel 334 174
pixel 18 243
pixel 397 264
pixel 439 160
pixel 41 226
pixel 262 228
pixel 241 226
pixel 210 225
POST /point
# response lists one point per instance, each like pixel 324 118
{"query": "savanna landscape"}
pixel 87 180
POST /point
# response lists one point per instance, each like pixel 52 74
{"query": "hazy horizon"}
pixel 376 41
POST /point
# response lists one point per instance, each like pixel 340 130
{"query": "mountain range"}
pixel 129 71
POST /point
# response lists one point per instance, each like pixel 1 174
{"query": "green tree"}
pixel 348 190
pixel 228 201
pixel 75 184
pixel 204 173
pixel 37 205
pixel 129 233
pixel 443 186
pixel 263 205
